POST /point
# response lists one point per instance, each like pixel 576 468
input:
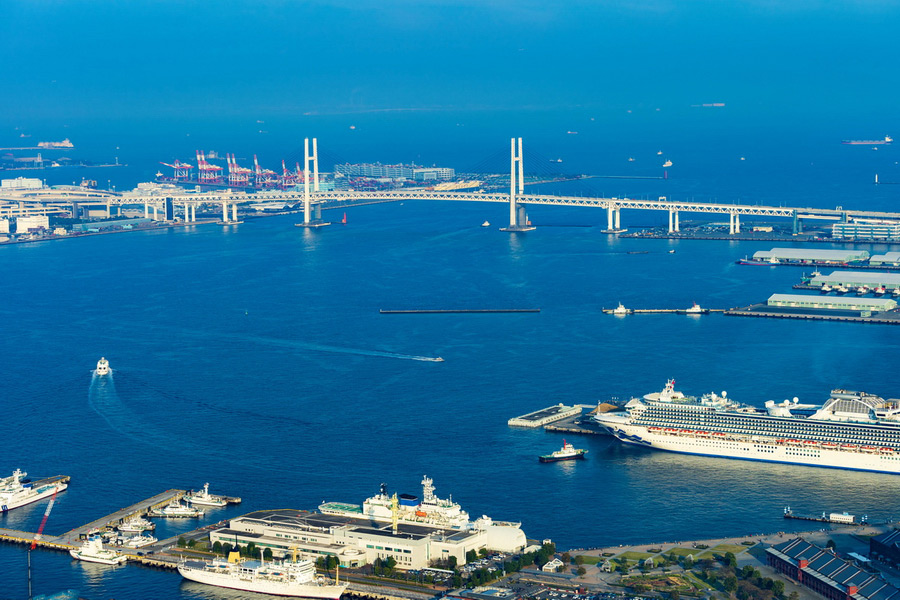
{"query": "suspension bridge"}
pixel 313 200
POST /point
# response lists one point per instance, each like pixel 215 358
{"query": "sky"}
pixel 78 59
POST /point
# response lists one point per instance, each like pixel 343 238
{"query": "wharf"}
pixel 573 425
pixel 442 311
pixel 542 417
pixel 73 537
pixel 759 310
pixel 823 518
pixel 660 311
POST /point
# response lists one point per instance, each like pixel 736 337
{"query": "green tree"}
pixel 730 584
pixel 794 596
pixel 730 560
pixel 452 561
pixel 674 595
pixel 471 556
pixel 778 588
pixel 182 542
pixel 580 571
pixel 192 543
pixel 579 559
pixel 268 554
pixel 831 544
pixel 483 552
pixel 217 547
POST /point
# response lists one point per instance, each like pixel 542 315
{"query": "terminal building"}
pixel 865 306
pixel 811 256
pixel 863 230
pixel 856 280
pixel 826 574
pixel 414 533
pixel 412 172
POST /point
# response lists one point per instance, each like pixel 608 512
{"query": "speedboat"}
pixel 486 224
pixel 102 367
pixel 668 163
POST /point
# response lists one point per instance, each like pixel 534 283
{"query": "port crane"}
pixel 182 170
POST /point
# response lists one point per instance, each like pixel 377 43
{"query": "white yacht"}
pixel 102 367
pixel 14 492
pixel 205 498
pixel 92 550
pixel 282 578
pixel 139 541
pixel 486 224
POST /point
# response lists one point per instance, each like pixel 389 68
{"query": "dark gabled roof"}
pixel 888 538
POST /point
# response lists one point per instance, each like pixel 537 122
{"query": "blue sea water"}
pixel 254 356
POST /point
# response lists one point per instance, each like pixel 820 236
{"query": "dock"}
pixel 542 417
pixel 74 536
pixel 839 518
pixel 445 311
pixel 759 310
pixel 662 311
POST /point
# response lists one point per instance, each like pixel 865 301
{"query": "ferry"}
pixel 280 578
pixel 92 550
pixel 887 140
pixel 136 525
pixel 15 491
pixel 102 367
pixel 851 430
pixel 567 452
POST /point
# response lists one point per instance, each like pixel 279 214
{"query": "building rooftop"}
pixel 811 254
pixel 867 277
pixel 833 302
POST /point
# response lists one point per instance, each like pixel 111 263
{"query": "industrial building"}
pixel 891 259
pixel 413 172
pixel 357 541
pixel 857 230
pixel 806 255
pixel 846 303
pixel 826 574
pixel 26 224
pixel 21 183
pixel 856 279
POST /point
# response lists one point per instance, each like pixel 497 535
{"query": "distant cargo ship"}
pixel 66 143
pixel 887 140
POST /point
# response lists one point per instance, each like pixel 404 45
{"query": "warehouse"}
pixel 857 230
pixel 823 572
pixel 806 255
pixel 888 259
pixel 866 306
pixel 856 279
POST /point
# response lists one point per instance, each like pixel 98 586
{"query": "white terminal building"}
pixel 413 172
pixel 866 230
pixel 21 183
pixel 414 532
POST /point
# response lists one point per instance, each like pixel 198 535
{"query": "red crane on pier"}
pixel 237 175
pixel 264 177
pixel 207 172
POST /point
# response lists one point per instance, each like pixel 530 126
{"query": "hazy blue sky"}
pixel 72 59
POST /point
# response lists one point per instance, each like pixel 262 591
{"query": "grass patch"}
pixel 723 548
pixel 589 560
pixel 665 582
pixel 634 555
pixel 696 581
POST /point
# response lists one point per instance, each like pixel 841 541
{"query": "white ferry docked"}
pixel 14 492
pixel 852 430
pixel 296 579
pixel 175 510
pixel 206 499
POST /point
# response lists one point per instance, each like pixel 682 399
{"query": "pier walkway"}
pixel 159 500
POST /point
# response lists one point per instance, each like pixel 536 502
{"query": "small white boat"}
pixel 102 367
pixel 486 224
pixel 896 291
pixel 92 550
pixel 862 290
pixel 696 310
pixel 136 525
pixel 621 310
pixel 841 289
pixel 139 541
pixel 826 288
pixel 204 498
pixel 879 290
pixel 668 163
pixel 630 159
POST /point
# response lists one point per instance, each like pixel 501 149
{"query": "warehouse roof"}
pixel 832 302
pixel 811 254
pixel 859 277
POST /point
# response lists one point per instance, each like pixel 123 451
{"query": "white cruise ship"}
pixel 15 493
pixel 296 579
pixel 852 430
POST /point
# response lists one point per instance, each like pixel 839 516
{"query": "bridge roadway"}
pixel 328 199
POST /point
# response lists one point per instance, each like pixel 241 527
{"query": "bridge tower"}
pixel 316 221
pixel 518 218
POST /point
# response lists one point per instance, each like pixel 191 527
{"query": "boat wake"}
pixel 104 400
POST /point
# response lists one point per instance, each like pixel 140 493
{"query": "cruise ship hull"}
pixel 39 494
pixel 768 451
pixel 263 586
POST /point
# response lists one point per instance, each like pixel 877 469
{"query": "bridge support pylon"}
pixel 316 221
pixel 518 218
pixel 614 219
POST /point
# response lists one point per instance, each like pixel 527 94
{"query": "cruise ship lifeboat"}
pixel 793 442
pixel 829 444
pixel 718 434
pixel 886 450
pixel 867 448
pixel 702 433
pixel 654 429
pixel 849 447
pixel 810 443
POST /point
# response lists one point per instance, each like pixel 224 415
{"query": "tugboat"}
pixel 695 310
pixel 621 310
pixel 102 367
pixel 567 452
